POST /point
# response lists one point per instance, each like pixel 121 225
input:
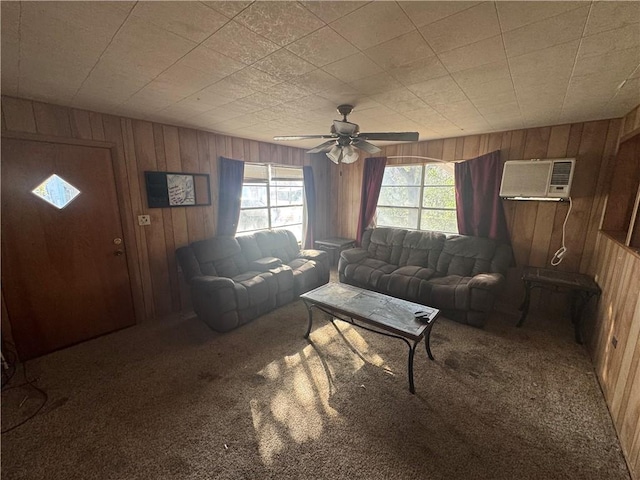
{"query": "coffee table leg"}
pixel 412 351
pixel 309 307
pixel 427 341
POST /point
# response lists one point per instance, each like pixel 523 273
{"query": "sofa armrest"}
pixel 486 281
pixel 354 255
pixel 319 256
pixel 311 254
pixel 210 283
pixel 265 264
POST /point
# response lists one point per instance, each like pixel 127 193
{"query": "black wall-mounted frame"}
pixel 174 189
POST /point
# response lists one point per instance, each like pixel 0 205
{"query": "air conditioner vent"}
pixel 548 179
pixel 561 173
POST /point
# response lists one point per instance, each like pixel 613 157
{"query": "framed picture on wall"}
pixel 174 189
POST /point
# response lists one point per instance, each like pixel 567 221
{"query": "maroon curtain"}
pixel 371 184
pixel 310 202
pixel 231 175
pixel 478 203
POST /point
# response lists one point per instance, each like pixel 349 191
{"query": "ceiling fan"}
pixel 346 137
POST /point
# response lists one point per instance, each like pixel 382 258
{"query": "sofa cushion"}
pixel 252 288
pixel 220 256
pixel 405 282
pixel 368 272
pixel 450 292
pixel 422 249
pixel 278 243
pixel 385 244
pixel 466 256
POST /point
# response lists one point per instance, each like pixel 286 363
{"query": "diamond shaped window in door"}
pixel 56 191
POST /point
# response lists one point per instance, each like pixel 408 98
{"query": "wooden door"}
pixel 64 270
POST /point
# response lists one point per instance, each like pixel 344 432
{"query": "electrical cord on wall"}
pixel 562 251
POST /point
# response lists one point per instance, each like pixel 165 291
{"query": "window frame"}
pixel 269 207
pixel 420 208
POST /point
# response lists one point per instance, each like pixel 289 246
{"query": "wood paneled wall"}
pixel 613 339
pixel 535 227
pixel 139 146
pixel 613 332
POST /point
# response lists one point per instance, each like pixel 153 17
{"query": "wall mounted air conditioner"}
pixel 548 179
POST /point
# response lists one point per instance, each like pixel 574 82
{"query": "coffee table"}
pixel 376 313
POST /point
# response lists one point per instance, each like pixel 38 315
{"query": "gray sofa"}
pixel 458 274
pixel 234 280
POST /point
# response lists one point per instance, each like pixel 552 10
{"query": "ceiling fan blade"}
pixel 302 137
pixel 391 136
pixel 322 147
pixel 364 145
pixel 344 128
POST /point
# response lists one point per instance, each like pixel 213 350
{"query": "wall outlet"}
pixel 144 220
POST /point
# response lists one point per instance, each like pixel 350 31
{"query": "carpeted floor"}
pixel 174 400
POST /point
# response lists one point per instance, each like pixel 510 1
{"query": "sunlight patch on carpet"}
pixel 293 405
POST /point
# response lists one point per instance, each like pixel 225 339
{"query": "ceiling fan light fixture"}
pixel 349 154
pixel 334 154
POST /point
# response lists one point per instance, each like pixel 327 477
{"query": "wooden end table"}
pixel 333 246
pixel 582 287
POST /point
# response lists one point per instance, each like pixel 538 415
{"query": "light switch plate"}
pixel 144 220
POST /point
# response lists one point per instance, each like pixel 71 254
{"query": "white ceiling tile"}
pixel 227 89
pixel 318 81
pixel 186 80
pixel 211 97
pixel 280 22
pixel 466 27
pixel 284 65
pixel 113 86
pixel 101 18
pixel 240 43
pixel 322 47
pixel 419 71
pixel 253 79
pixel 552 62
pixel 424 13
pixel 516 14
pixel 612 15
pixel 142 70
pixel 228 8
pixel 477 54
pixel 619 63
pixel 400 51
pixel 438 91
pixel 484 74
pixel 48 89
pixel 496 101
pixel 191 20
pixel 144 48
pixel 286 92
pixel 380 82
pixel 329 11
pixel 209 61
pixel 610 41
pixel 352 68
pixel 546 33
pixel 373 24
pixel 155 94
pixel 400 100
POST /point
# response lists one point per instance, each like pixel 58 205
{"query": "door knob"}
pixel 117 253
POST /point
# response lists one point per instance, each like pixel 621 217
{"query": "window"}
pixel 418 197
pixel 272 197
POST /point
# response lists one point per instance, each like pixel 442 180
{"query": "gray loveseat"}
pixel 234 280
pixel 458 274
